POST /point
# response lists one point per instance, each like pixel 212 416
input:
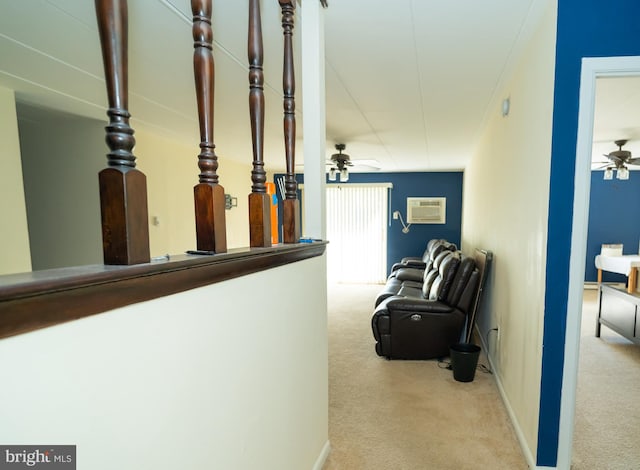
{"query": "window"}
pixel 357 232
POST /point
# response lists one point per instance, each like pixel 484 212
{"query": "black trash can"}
pixel 464 360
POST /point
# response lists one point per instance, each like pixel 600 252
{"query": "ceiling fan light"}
pixel 332 174
pixel 344 175
pixel 622 173
pixel 608 174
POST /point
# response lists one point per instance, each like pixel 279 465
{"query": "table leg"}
pixel 599 276
pixel 633 279
pixel 599 311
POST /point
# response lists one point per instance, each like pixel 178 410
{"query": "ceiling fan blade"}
pixel 602 165
pixel 633 161
pixel 615 159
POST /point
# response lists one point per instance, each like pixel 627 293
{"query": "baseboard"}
pixel 516 425
pixel 322 458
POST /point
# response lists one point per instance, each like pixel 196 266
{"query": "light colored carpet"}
pixel 406 415
pixel 607 425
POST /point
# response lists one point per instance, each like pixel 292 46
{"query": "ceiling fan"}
pixel 619 159
pixel 340 162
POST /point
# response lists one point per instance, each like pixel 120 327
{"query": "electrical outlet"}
pixel 396 214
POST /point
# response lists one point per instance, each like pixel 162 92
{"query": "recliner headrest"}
pixel 426 256
pixel 439 258
pixel 461 280
pixel 447 268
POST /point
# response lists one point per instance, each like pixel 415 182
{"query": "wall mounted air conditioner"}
pixel 426 210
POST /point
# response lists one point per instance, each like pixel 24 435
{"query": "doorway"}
pixel 592 69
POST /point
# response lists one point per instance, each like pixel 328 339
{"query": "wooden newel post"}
pixel 123 189
pixel 291 206
pixel 259 202
pixel 211 232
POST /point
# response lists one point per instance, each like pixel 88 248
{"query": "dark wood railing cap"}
pixel 39 299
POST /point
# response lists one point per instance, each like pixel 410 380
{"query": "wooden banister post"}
pixel 291 206
pixel 123 188
pixel 211 232
pixel 259 202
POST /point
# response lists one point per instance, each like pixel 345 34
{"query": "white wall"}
pixel 172 171
pixel 61 157
pixel 505 210
pixel 228 376
pixel 14 236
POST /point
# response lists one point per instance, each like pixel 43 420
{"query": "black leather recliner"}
pixel 424 321
pixel 416 277
pixel 418 262
pixel 412 269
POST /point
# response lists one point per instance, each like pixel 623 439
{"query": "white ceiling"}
pixel 409 82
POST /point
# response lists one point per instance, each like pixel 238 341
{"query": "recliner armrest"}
pixel 409 263
pixel 391 288
pixel 396 266
pixel 419 264
pixel 415 329
pixel 409 274
pixel 409 304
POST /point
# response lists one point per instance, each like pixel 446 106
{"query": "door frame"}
pixel 592 69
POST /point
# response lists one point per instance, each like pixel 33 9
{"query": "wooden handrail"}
pixel 259 203
pixel 123 188
pixel 40 299
pixel 291 206
pixel 208 193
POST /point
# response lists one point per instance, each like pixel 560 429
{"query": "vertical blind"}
pixel 357 232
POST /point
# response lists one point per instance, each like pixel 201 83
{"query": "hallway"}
pixel 406 415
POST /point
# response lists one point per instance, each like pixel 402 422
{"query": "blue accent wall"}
pixel 614 217
pixel 419 184
pixel 584 30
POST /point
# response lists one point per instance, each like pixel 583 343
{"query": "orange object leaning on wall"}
pixel 271 191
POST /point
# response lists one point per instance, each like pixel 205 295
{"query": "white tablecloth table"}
pixel 625 264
